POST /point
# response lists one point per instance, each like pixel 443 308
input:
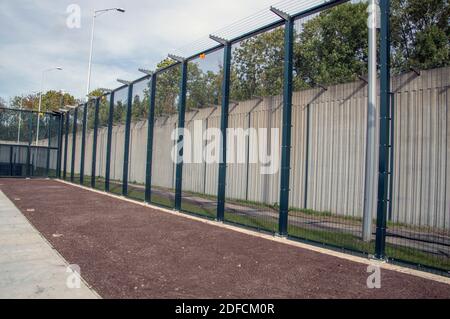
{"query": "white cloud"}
pixel 34 36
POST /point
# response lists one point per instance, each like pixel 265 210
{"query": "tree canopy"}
pixel 51 101
pixel 330 47
pixel 420 33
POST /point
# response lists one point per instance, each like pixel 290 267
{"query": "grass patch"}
pixel 416 256
pixel 337 239
pixel 198 210
pixel 266 224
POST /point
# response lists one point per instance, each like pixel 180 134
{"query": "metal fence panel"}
pixel 78 144
pixel 418 227
pixel 166 111
pixel 252 187
pixel 118 140
pixel 102 140
pixel 202 121
pixel 138 139
pixel 69 143
pixel 88 142
pixel 328 142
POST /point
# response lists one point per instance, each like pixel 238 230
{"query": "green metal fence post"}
pixel 83 142
pixel 108 142
pixel 391 157
pixel 66 144
pixel 126 151
pixel 94 142
pixel 181 117
pixel 151 118
pixel 223 126
pixel 11 160
pixel 305 183
pixel 59 151
pixel 384 147
pixel 287 119
pixel 30 138
pixel 74 141
pixel 47 162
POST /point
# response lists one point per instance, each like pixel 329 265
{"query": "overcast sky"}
pixel 34 36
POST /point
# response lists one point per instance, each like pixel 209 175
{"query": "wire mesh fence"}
pixel 291 96
pixel 17 157
pixel 78 144
pixel 166 116
pixel 138 139
pixel 88 143
pixel 417 219
pixel 68 158
pixel 15 127
pixel 101 147
pixel 24 151
pixel 253 143
pixel 118 140
pixel 418 226
pixel 329 130
pixel 200 167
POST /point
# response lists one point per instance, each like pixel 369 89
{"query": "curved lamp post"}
pixel 97 13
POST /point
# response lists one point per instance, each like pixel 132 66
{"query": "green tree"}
pixel 420 34
pixel 139 109
pixel 332 47
pixel 203 88
pixel 103 111
pixel 329 48
pixel 51 101
pixel 257 66
pixel 2 102
pixel 167 89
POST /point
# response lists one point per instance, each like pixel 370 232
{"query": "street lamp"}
pixel 97 13
pixel 40 99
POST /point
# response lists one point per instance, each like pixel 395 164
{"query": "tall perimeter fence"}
pixel 278 80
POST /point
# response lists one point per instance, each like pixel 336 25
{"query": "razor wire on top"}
pixel 248 26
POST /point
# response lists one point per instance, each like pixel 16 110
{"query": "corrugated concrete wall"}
pixel 422 149
pixel 335 145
